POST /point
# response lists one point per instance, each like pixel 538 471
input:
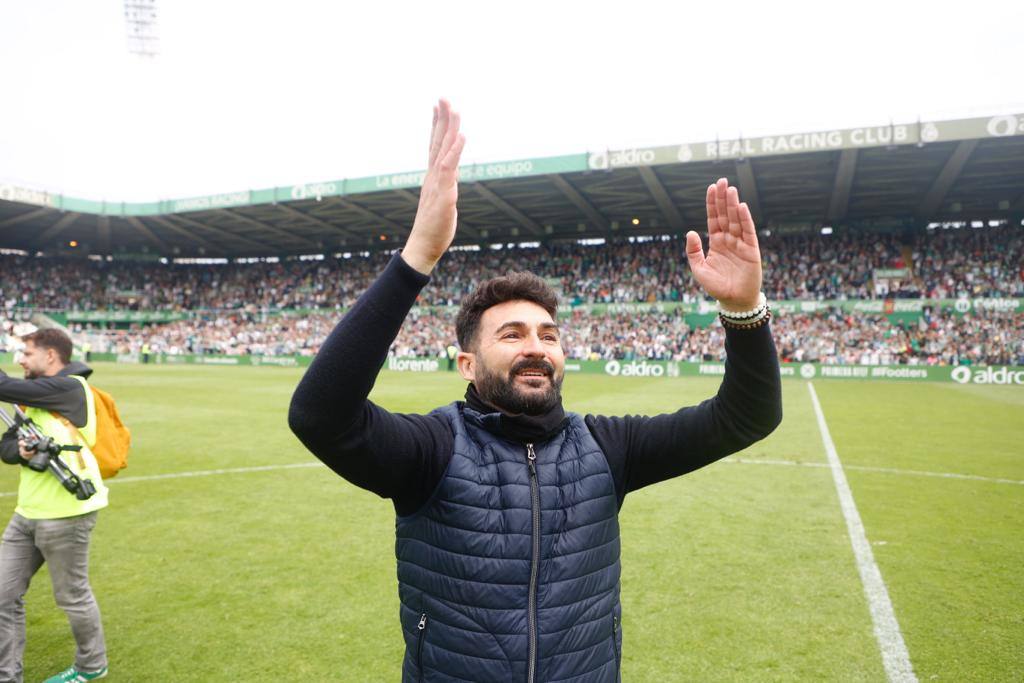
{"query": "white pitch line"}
pixel 895 657
pixel 884 470
pixel 207 473
pixel 199 473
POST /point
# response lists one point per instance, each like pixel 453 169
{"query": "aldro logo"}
pixel 633 369
pixel 987 375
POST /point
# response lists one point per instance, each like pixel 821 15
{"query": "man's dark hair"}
pixel 512 287
pixel 52 338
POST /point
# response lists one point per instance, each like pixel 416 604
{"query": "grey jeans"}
pixel 64 544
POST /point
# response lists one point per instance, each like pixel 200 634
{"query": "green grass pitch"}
pixel 741 571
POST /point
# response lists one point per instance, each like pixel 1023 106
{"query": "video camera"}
pixel 47 454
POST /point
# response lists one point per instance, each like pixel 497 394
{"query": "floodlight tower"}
pixel 140 22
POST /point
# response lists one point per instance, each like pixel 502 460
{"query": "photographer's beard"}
pixel 32 372
pixel 503 391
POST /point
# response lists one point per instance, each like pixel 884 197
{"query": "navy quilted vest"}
pixel 510 572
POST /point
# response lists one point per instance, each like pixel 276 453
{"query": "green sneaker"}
pixel 73 675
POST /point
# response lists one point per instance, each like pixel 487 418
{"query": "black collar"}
pixel 521 428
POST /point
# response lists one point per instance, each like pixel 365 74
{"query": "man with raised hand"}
pixel 507 535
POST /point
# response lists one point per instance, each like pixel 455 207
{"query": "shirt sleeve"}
pixel 397 456
pixel 61 394
pixel 9 447
pixel 644 450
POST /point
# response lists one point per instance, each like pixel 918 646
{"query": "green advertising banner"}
pixel 918 133
pixel 960 374
pixel 215 201
pixel 123 316
pixel 880 306
pixel 468 173
pixel 197 359
pixel 696 314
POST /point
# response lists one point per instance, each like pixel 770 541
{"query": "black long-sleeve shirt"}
pixel 404 456
pixel 60 393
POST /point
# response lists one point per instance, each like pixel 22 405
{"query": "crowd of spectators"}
pixel 944 264
pixel 833 337
pixel 288 307
pixel 937 338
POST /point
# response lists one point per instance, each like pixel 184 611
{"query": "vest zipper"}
pixel 422 627
pixel 615 643
pixel 531 615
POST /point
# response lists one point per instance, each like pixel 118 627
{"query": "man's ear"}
pixel 466 363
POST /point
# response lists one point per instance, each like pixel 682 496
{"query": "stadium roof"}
pixel 886 177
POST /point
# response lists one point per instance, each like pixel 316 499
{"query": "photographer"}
pixel 50 524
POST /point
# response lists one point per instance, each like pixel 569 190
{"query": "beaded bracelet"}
pixel 751 325
pixel 762 304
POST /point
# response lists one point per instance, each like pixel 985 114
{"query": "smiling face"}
pixel 517 362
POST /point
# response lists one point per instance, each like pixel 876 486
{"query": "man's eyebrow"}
pixel 519 324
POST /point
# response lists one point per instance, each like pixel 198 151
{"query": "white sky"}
pixel 246 95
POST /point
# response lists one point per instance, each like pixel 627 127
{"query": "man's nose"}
pixel 532 345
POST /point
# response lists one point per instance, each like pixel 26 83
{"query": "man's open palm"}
pixel 731 271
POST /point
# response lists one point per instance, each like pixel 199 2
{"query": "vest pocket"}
pixel 421 629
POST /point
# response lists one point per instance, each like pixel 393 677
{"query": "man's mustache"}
pixel 533 364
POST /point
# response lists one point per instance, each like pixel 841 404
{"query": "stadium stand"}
pixel 942 264
pixel 900 243
pixel 288 307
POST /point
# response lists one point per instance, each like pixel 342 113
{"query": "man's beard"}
pixel 32 374
pixel 501 391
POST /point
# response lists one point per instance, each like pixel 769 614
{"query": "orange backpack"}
pixel 113 439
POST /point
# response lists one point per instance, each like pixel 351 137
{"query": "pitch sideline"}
pixel 895 657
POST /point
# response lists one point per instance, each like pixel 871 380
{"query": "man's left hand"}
pixel 731 271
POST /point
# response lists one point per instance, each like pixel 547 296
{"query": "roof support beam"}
pixel 748 187
pixel 22 217
pixel 1018 203
pixel 148 234
pixel 372 215
pixel 220 232
pixel 463 226
pixel 187 234
pixel 661 198
pixel 937 193
pixel 291 210
pixel 60 226
pixel 839 202
pixel 103 233
pixel 271 228
pixel 581 203
pixel 509 210
pixel 408 196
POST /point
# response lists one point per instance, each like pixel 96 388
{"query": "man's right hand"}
pixel 436 216
pixel 25 453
